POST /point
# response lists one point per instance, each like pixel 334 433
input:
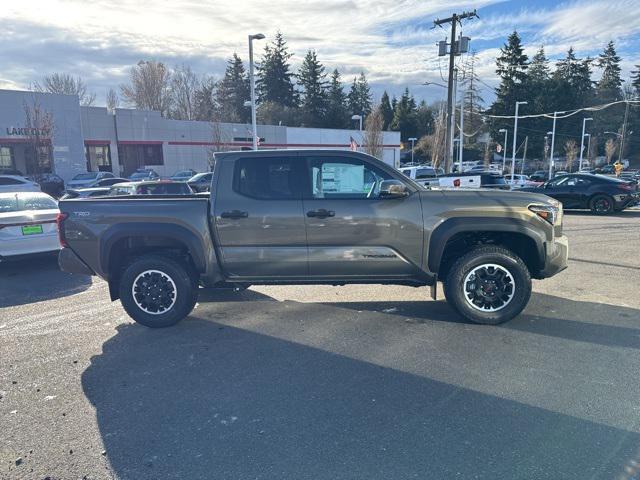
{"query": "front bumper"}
pixel 69 262
pixel 556 256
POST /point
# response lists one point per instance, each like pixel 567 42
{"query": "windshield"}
pixel 86 176
pixel 201 177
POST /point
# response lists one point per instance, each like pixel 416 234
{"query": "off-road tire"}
pixel 455 288
pixel 184 288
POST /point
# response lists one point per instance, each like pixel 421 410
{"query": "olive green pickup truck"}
pixel 314 217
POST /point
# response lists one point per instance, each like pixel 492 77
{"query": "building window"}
pixel 6 158
pixel 133 157
pixel 38 159
pixel 98 158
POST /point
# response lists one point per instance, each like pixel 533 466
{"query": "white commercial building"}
pixel 92 138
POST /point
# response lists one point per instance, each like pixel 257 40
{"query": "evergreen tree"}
pixel 359 97
pixel 473 101
pixel 424 119
pixel 511 67
pixel 635 80
pixel 609 88
pixel 232 92
pixel 312 79
pixel 539 68
pixel 386 110
pixel 404 116
pixel 275 82
pixel 337 115
pixel 204 99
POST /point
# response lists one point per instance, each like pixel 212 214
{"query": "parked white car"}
pixel 15 183
pixel 520 181
pixel 27 224
pixel 86 179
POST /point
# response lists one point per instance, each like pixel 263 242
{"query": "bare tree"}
pixel 571 152
pixel 38 129
pixel 148 87
pixel 112 100
pixel 609 149
pixel 373 133
pixel 65 84
pixel 184 85
pixel 433 145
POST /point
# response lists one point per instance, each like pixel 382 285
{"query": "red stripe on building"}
pixel 5 141
pixel 140 142
pixel 97 142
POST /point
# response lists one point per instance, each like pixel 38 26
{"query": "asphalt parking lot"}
pixel 357 382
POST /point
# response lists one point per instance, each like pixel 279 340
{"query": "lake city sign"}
pixel 27 132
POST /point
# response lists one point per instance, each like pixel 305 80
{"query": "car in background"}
pixel 598 193
pixel 474 180
pixel 85 179
pixel 27 224
pixel 423 175
pixel 107 182
pixel 201 182
pixel 560 173
pixel 182 175
pixel 86 193
pixel 143 174
pixel 50 183
pixel 160 187
pixel 520 181
pixel 539 176
pixel 15 183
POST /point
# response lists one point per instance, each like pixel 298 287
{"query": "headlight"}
pixel 550 213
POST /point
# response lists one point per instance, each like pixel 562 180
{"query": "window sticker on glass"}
pixel 343 178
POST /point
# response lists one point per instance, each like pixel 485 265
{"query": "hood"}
pixel 485 197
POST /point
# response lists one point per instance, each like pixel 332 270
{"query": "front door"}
pixel 351 231
pixel 560 189
pixel 258 216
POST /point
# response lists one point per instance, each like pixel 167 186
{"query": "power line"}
pixel 566 114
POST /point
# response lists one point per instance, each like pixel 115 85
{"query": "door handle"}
pixel 322 213
pixel 235 214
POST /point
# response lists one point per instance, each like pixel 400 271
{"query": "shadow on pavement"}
pixel 203 400
pixel 567 321
pixel 35 279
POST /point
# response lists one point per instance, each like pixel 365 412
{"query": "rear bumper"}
pixel 69 262
pixel 557 257
pixel 624 201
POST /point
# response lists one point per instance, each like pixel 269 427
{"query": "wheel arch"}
pixel 457 235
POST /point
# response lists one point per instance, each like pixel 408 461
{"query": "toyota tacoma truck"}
pixel 314 217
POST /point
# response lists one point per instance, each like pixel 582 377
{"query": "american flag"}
pixel 353 144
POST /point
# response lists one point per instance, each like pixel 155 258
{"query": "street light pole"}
pixel 584 121
pixel 553 143
pixel 504 154
pixel 252 82
pixel 358 117
pixel 515 136
pixel 412 140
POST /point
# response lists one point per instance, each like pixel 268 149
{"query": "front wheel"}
pixel 157 291
pixel 488 285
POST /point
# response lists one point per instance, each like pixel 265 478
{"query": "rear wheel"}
pixel 602 205
pixel 158 291
pixel 488 285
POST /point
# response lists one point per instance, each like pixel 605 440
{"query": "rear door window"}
pixel 270 178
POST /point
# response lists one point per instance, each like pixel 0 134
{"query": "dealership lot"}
pixel 328 382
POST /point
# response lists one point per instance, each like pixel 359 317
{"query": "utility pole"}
pixel 454 50
pixel 624 131
pixel 452 119
pixel 461 143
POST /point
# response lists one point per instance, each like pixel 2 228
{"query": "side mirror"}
pixel 393 189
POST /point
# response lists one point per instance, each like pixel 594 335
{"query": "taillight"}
pixel 60 222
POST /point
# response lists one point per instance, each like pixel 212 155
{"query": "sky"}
pixel 392 41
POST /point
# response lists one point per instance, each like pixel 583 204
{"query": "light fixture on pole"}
pixel 584 121
pixel 252 82
pixel 515 136
pixel 413 141
pixel 504 154
pixel 358 117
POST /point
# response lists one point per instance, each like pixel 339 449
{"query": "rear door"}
pixel 351 231
pixel 259 222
